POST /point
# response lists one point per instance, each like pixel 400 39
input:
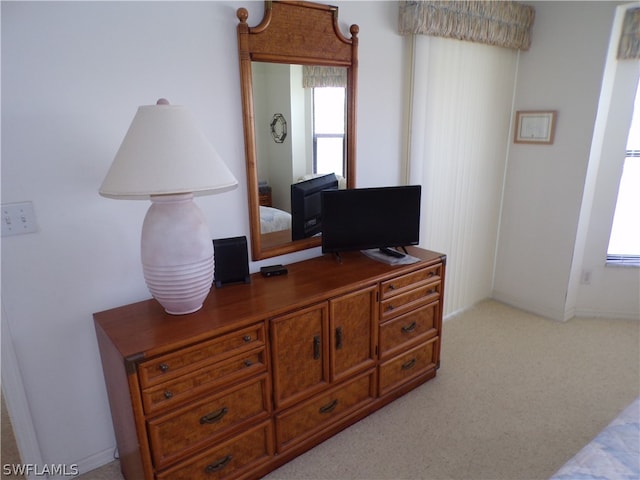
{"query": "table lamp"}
pixel 164 157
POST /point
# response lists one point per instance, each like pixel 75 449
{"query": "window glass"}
pixel 624 243
pixel 328 129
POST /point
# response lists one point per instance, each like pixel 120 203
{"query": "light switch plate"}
pixel 18 218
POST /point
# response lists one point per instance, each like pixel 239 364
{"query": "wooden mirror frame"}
pixel 302 33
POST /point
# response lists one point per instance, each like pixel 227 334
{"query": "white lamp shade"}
pixel 166 158
pixel 165 153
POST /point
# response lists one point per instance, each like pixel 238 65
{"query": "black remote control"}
pixel 273 270
pixel 391 252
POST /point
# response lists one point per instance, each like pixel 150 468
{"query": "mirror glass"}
pixel 298 75
pixel 299 134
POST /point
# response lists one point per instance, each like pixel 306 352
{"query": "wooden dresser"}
pixel 266 370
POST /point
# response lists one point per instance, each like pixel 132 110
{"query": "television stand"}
pixel 267 370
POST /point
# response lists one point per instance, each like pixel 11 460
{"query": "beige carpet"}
pixel 10 453
pixel 516 396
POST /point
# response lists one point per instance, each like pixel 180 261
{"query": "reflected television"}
pixel 306 211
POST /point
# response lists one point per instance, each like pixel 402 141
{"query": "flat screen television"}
pixel 365 218
pixel 306 212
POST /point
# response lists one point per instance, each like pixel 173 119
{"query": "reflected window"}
pixel 624 243
pixel 329 130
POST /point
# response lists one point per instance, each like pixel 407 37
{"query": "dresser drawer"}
pixel 411 280
pixel 410 328
pixel 192 358
pixel 193 426
pixel 230 459
pixel 408 365
pixel 410 299
pixel 323 410
pixel 173 392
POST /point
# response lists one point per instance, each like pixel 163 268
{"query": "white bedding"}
pixel 274 220
pixel 613 455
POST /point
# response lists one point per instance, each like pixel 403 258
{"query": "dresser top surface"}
pixel 144 329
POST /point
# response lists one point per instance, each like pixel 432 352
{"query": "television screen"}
pixel 365 218
pixel 306 218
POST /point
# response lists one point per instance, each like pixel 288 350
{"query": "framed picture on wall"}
pixel 535 126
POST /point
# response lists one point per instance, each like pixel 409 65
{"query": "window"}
pixel 328 130
pixel 624 243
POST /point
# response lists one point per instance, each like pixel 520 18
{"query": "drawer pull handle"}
pixel 389 308
pixel 248 363
pixel 409 328
pixel 316 347
pixel 168 394
pixel 218 464
pixel 163 367
pixel 432 291
pixel 328 408
pixel 214 416
pixel 392 287
pixel 432 274
pixel 409 365
pixel 247 338
pixel 338 338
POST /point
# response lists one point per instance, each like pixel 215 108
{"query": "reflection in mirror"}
pixel 298 75
pixel 300 134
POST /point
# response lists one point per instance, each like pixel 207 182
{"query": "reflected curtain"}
pixel 629 46
pixel 460 122
pixel 319 76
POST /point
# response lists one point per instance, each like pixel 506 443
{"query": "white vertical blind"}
pixel 460 132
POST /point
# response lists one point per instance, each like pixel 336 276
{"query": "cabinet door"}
pixel 300 353
pixel 353 330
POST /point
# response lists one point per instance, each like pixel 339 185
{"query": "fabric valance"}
pixel 503 24
pixel 629 46
pixel 319 76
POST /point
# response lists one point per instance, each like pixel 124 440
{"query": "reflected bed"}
pixel 274 220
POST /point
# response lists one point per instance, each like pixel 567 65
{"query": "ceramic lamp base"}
pixel 177 253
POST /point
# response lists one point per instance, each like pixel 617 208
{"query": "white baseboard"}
pixel 523 304
pixel 91 462
pixel 562 316
pixel 595 313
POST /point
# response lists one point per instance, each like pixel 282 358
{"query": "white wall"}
pixel 381 117
pixel 544 183
pixel 598 289
pixel 73 74
pixel 272 94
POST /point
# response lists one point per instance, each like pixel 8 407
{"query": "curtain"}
pixel 460 131
pixel 498 23
pixel 318 76
pixel 629 46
